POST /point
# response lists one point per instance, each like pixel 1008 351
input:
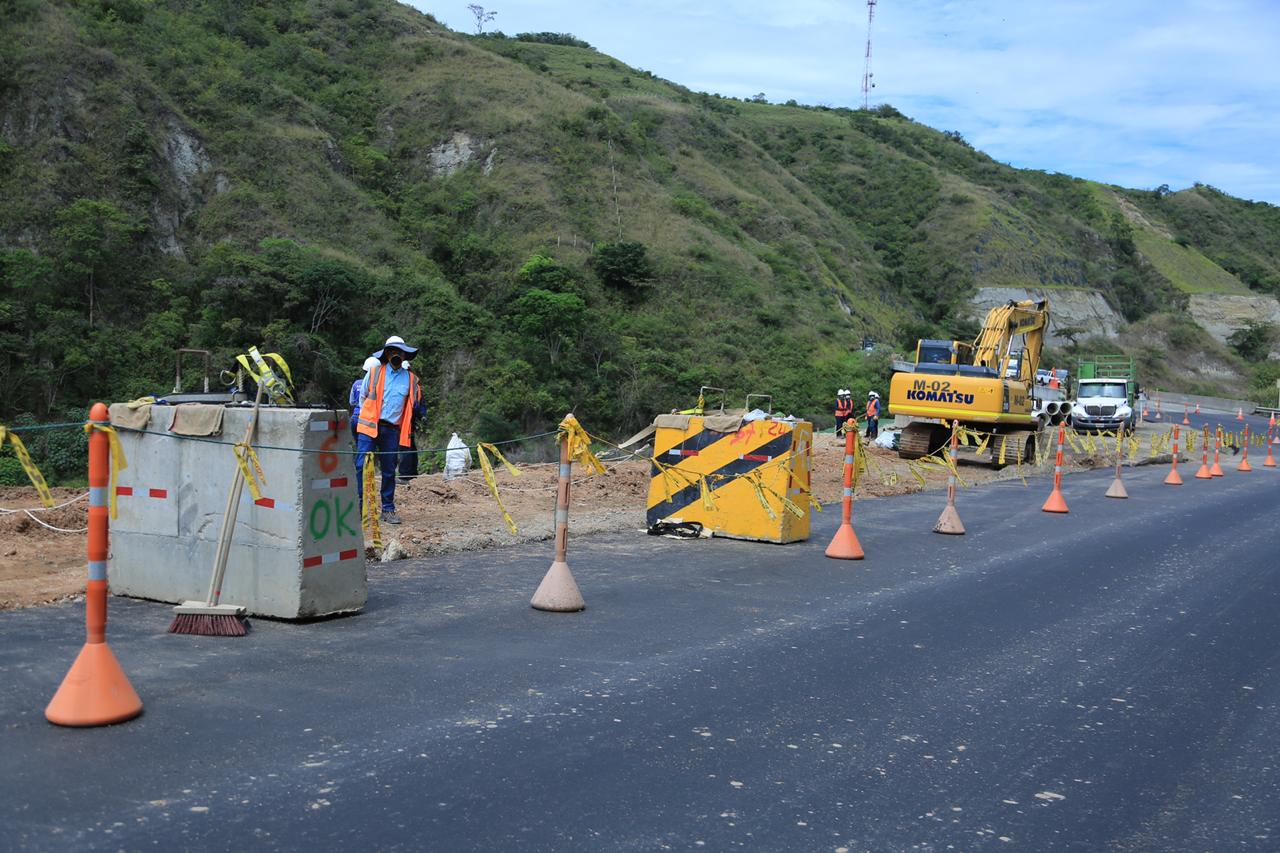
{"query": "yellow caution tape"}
pixel 32 472
pixel 372 503
pixel 118 462
pixel 813 501
pixel 754 479
pixel 708 502
pixel 1004 444
pixel 487 467
pixel 579 445
pixel 982 446
pixel 247 459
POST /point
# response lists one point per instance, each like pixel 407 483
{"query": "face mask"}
pixel 396 361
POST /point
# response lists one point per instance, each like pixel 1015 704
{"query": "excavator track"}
pixel 919 440
pixel 1017 445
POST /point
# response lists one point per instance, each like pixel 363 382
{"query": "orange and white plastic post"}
pixel 1204 473
pixel 949 522
pixel 1270 461
pixel 1244 459
pixel 1216 469
pixel 845 545
pixel 1173 478
pixel 558 591
pixel 95 692
pixel 1117 489
pixel 1056 502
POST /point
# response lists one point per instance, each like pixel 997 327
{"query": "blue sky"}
pixel 1132 92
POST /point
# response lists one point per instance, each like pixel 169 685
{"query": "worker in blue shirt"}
pixel 389 399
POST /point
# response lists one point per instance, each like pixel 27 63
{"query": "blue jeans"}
pixel 386 449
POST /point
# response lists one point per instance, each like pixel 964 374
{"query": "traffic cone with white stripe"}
pixel 1117 489
pixel 845 545
pixel 1056 502
pixel 1204 473
pixel 1270 461
pixel 949 522
pixel 558 591
pixel 96 692
pixel 1244 459
pixel 1174 478
pixel 1240 414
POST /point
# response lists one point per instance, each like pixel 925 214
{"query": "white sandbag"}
pixel 457 458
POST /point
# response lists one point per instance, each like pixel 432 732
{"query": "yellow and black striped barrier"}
pixel 740 480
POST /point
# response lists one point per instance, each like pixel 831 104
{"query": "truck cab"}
pixel 1104 404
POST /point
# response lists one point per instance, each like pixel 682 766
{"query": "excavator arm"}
pixel 994 345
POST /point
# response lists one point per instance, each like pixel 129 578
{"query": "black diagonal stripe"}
pixel 733 468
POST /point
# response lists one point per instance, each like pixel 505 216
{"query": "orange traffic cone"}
pixel 1117 489
pixel 1204 473
pixel 1186 421
pixel 1197 408
pixel 558 591
pixel 949 522
pixel 1174 478
pixel 1216 470
pixel 1244 459
pixel 1056 502
pixel 1239 414
pixel 95 692
pixel 845 545
pixel 1159 416
pixel 1272 423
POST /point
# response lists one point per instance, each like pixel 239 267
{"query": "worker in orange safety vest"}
pixel 873 414
pixel 844 408
pixel 390 399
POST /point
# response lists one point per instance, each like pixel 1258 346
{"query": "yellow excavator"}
pixel 987 386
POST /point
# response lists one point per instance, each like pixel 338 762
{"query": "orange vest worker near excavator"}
pixel 390 399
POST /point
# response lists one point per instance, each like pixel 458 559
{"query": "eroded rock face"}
pixel 1082 308
pixel 193 175
pixel 457 152
pixel 1222 314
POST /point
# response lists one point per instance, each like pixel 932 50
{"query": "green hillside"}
pixel 556 229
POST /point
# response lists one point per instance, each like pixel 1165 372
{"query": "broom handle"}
pixel 229 515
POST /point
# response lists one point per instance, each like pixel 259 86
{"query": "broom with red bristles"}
pixel 208 618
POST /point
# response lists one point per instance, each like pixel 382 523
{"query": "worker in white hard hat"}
pixel 408 466
pixel 357 392
pixel 873 414
pixel 391 397
pixel 844 408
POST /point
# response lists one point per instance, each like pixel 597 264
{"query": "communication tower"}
pixel 867 84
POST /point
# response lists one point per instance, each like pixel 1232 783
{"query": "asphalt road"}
pixel 1100 680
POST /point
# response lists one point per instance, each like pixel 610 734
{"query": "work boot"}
pixel 390 518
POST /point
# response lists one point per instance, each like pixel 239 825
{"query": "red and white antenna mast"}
pixel 866 67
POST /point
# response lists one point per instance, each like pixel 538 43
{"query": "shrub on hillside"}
pixel 622 265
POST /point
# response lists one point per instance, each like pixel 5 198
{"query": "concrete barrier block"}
pixel 297 552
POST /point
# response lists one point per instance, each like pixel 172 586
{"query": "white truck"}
pixel 1104 404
